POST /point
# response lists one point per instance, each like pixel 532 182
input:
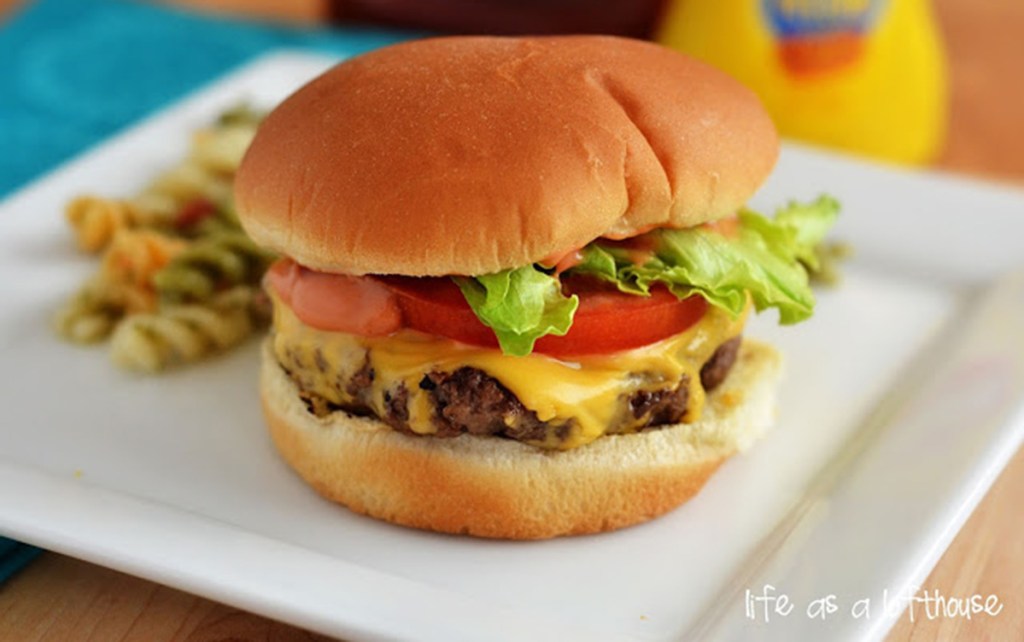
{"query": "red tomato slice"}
pixel 606 321
pixel 436 306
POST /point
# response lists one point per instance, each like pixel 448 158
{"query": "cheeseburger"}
pixel 515 280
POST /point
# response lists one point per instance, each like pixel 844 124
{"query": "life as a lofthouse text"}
pixel 767 603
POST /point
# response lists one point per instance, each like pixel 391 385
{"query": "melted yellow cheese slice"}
pixel 585 393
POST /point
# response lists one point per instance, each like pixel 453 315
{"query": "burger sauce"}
pixel 338 302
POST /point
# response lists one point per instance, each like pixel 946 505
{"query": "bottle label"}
pixel 816 36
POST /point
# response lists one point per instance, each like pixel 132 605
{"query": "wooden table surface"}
pixel 59 598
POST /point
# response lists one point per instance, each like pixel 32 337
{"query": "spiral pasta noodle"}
pixel 184 333
pixel 220 149
pixel 178 278
pixel 223 260
pixel 179 185
pixel 220 221
pixel 95 220
pixel 91 315
pixel 240 114
pixel 86 319
pixel 206 173
pixel 134 256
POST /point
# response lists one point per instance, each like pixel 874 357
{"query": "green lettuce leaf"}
pixel 520 305
pixel 808 223
pixel 765 259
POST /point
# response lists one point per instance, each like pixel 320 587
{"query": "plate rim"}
pixel 985 470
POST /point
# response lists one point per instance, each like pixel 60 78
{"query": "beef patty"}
pixel 468 400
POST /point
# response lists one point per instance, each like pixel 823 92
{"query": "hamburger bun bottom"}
pixel 499 488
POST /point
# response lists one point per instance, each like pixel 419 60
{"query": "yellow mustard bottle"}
pixel 864 75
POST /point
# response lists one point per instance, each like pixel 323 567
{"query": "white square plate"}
pixel 904 398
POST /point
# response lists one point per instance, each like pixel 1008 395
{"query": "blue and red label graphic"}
pixel 816 36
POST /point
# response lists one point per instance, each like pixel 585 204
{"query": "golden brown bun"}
pixel 470 155
pixel 491 487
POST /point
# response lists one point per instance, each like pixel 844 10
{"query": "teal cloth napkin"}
pixel 14 556
pixel 77 71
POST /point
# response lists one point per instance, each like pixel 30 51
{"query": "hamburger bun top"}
pixel 470 155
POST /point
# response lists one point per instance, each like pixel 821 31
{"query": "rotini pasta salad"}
pixel 178 280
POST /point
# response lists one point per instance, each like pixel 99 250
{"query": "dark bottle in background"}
pixel 634 18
